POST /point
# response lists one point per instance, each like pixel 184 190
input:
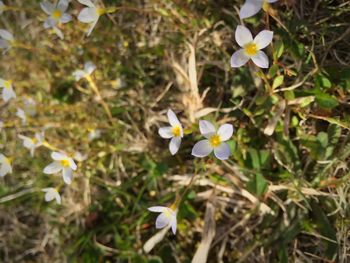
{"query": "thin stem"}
pixel 98 94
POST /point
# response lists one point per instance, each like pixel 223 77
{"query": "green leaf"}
pixel 322 137
pixel 273 71
pixel 334 132
pixel 321 81
pixel 257 184
pixel 326 230
pixel 278 81
pixel 278 50
pixel 326 101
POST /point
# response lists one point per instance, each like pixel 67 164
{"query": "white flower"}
pixel 251 47
pixel 57 14
pixel 32 143
pixel 90 14
pixel 215 140
pixel 252 7
pixel 61 163
pixel 89 67
pixel 5 165
pixel 175 132
pixel 22 115
pixel 51 194
pixel 80 157
pixel 94 134
pixel 166 218
pixel 7 92
pixel 6 39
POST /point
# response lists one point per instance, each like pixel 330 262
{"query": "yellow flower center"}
pixel 7 84
pixel 265 6
pixel 100 11
pixel 215 140
pixel 56 14
pixel 8 160
pixel 65 163
pixel 177 131
pixel 167 213
pixel 251 49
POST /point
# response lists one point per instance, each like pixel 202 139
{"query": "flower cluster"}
pixel 215 139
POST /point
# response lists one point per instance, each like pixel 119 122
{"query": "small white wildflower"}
pixel 94 134
pixel 175 132
pixel 166 218
pixel 252 7
pixel 90 14
pixel 7 91
pixel 22 115
pixel 51 194
pixel 5 165
pixel 57 14
pixel 251 48
pixel 80 157
pixel 89 67
pixel 61 163
pixel 32 143
pixel 6 39
pixel 215 140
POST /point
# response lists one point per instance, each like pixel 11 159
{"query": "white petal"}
pixel 261 60
pixel 89 67
pixel 166 132
pixel 5 169
pixel 225 132
pixel 40 137
pixel 58 198
pixel 250 8
pixel 52 168
pixel 174 145
pixel 87 3
pixel 173 225
pixel 62 5
pixel 2 158
pixel 173 120
pixel 206 128
pixel 52 193
pixel 158 209
pixel 88 15
pixel 4 44
pixel 58 32
pixel 47 7
pixel 6 35
pixel 57 156
pixel 8 94
pixel 162 220
pixel 49 196
pixel 243 35
pixel 67 173
pixel 66 18
pixel 223 151
pixel 49 23
pixel 202 149
pixel 92 26
pixel 72 164
pixel 239 58
pixel 263 39
pixel 79 74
